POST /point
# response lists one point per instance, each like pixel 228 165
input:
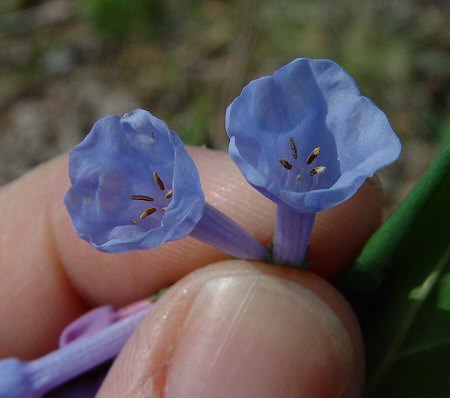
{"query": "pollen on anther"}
pixel 142 197
pixel 169 194
pixel 317 170
pixel 164 209
pixel 286 164
pixel 158 181
pixel 294 150
pixel 313 155
pixel 147 212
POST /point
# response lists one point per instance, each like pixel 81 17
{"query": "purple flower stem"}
pixel 35 378
pixel 220 231
pixel 292 235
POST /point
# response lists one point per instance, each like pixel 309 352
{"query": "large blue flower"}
pixel 307 139
pixel 134 187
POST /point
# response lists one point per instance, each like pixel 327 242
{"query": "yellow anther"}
pixel 147 212
pixel 142 197
pixel 313 155
pixel 169 194
pixel 158 181
pixel 317 170
pixel 294 150
pixel 286 164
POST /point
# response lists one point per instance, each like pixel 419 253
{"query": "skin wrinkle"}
pixel 238 315
pixel 242 309
pixel 147 383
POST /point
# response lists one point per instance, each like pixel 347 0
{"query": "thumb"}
pixel 239 329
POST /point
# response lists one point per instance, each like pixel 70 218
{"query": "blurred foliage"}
pixel 115 19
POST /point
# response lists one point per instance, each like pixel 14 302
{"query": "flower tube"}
pixel 135 187
pixel 33 379
pixel 305 138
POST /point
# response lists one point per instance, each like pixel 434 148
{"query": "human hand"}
pixel 228 330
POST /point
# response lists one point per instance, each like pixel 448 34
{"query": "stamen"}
pixel 286 164
pixel 158 181
pixel 164 209
pixel 293 148
pixel 317 170
pixel 313 155
pixel 169 194
pixel 147 212
pixel 152 135
pixel 299 178
pixel 142 197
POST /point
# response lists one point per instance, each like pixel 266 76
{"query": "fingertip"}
pixel 243 330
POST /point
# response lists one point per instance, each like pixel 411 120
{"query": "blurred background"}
pixel 66 63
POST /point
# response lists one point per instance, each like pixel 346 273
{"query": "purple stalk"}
pixel 220 231
pixel 35 378
pixel 292 235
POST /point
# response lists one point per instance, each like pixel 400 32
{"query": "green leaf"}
pixel 400 286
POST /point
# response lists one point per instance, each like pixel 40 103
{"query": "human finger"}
pixel 239 329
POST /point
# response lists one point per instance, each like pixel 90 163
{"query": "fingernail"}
pixel 259 336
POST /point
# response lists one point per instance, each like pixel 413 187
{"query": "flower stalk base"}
pixel 292 236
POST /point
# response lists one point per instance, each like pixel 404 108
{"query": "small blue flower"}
pixel 35 378
pixel 305 138
pixel 134 187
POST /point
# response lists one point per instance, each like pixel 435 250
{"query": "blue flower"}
pixel 305 138
pixel 134 187
pixel 126 175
